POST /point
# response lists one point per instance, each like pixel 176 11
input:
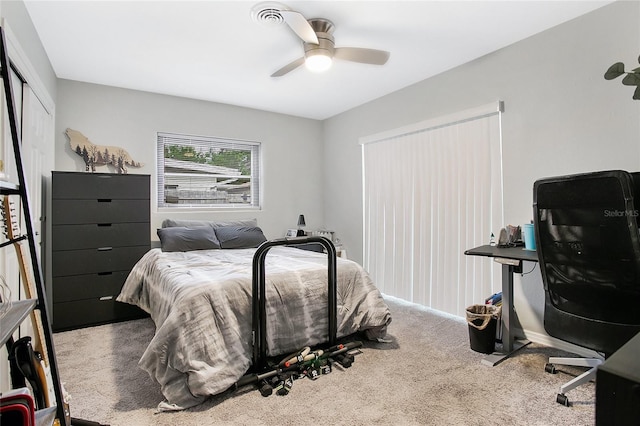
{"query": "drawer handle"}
pixel 104 200
pixel 105 248
pixel 101 225
pixel 105 298
pixel 104 273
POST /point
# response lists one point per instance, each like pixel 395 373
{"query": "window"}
pixel 200 171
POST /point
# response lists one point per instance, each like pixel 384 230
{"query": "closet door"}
pixel 35 129
pixel 37 151
pixel 9 266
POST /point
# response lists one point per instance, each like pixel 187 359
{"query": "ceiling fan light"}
pixel 318 62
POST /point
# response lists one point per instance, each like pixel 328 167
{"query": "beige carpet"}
pixel 428 375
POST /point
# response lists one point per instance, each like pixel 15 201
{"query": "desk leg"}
pixel 509 343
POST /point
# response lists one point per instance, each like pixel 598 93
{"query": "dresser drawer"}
pixel 92 261
pixel 82 186
pixel 88 286
pixel 82 313
pixel 75 212
pixel 74 237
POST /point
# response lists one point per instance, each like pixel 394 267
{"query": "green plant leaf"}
pixel 631 79
pixel 614 71
pixel 636 94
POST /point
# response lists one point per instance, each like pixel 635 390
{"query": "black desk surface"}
pixel 517 253
pixel 624 362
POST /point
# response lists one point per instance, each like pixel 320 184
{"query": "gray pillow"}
pixel 213 223
pixel 170 223
pixel 236 237
pixel 181 238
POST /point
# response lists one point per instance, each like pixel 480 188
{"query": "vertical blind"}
pixel 431 191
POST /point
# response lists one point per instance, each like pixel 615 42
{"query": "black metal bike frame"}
pixel 259 302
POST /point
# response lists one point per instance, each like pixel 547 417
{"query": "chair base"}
pixel 587 376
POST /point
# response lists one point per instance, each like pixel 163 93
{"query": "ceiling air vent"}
pixel 268 13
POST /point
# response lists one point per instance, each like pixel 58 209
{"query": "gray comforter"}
pixel 200 302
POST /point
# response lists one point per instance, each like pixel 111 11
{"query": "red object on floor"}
pixel 17 408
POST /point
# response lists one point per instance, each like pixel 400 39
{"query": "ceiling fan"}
pixel 317 40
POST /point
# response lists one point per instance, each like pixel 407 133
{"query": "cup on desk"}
pixel 529 237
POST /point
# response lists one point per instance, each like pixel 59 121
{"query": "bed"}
pixel 197 290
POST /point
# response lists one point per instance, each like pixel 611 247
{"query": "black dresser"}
pixel 100 229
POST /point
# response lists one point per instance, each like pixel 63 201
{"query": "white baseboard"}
pixel 545 339
pixel 540 338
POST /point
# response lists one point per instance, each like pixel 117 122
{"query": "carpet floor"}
pixel 426 375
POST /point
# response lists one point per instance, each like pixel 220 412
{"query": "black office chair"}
pixel 589 252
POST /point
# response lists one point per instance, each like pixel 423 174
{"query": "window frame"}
pixel 162 138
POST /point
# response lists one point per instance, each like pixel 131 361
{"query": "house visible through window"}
pixel 207 172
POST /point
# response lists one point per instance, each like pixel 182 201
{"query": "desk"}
pixel 511 259
pixel 618 386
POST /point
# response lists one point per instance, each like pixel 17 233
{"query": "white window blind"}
pixel 431 191
pixel 207 172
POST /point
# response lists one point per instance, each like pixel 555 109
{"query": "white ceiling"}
pixel 214 51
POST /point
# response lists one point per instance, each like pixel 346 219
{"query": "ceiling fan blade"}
pixel 300 26
pixel 365 56
pixel 288 68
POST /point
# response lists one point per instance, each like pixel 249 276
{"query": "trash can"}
pixel 482 320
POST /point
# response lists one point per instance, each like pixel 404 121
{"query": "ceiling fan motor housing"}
pixel 326 44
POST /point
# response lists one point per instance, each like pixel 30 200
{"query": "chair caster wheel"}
pixel 562 399
pixel 550 368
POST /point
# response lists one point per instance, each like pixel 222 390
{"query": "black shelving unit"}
pixel 19 310
pixel 16 313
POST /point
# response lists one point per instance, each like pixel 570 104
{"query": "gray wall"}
pixel 292 175
pixel 561 117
